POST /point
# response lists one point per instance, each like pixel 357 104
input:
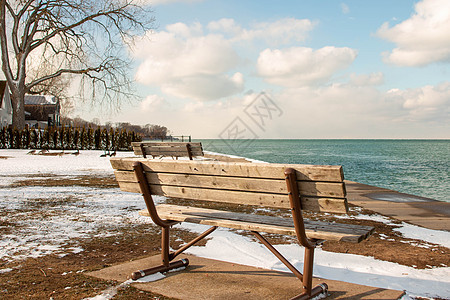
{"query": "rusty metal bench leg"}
pixel 296 209
pixel 164 224
pixel 308 269
pixel 308 290
pixel 167 265
pixel 167 257
pixel 173 265
pixel 320 289
pixel 165 246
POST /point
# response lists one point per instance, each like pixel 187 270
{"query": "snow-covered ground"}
pixel 90 211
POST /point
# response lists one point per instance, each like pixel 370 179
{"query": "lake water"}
pixel 417 167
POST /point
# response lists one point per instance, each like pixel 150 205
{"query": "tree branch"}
pixel 79 23
pixel 84 71
pixel 33 19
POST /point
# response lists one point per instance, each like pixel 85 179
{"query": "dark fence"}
pixel 68 138
pixel 171 138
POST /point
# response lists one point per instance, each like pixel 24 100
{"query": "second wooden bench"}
pixel 162 149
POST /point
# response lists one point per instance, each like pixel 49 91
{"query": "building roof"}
pixel 40 100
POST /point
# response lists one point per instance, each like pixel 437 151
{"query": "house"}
pixel 42 111
pixel 5 105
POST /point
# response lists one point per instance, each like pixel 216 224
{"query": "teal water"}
pixel 417 167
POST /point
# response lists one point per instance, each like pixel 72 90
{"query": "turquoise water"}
pixel 417 167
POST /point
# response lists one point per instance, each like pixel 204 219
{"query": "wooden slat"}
pixel 136 144
pixel 180 148
pixel 172 145
pixel 254 170
pixel 331 205
pixel 168 151
pixel 217 185
pixel 162 148
pixel 270 200
pixel 316 204
pixel 314 229
pixel 176 149
pixel 306 188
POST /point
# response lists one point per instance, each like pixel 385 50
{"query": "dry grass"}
pixel 48 180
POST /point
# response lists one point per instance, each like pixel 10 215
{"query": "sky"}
pixel 293 69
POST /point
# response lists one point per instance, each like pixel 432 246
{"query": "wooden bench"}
pixel 175 149
pixel 292 187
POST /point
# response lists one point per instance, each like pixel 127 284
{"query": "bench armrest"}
pixel 143 184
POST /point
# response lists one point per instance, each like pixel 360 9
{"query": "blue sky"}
pixel 329 69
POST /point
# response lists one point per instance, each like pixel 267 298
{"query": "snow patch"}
pixel 5 270
pixel 228 246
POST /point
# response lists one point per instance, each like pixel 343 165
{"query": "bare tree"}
pixel 82 38
pixel 155 131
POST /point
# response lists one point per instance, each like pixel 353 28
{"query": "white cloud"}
pixel 190 61
pixel 185 63
pixel 298 66
pixel 196 62
pixel 351 111
pixel 376 78
pixel 185 31
pixel 428 103
pixel 205 87
pixel 282 31
pixel 206 55
pixel 422 39
pixel 345 9
pixel 192 107
pixel 225 25
pixel 333 111
pixel 152 103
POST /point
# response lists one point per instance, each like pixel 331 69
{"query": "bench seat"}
pixel 314 229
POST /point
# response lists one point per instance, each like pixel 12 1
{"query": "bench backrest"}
pixel 175 149
pixel 321 188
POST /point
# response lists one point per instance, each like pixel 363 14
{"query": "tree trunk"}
pixel 17 102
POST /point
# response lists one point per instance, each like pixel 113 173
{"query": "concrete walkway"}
pixel 416 210
pixel 212 279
